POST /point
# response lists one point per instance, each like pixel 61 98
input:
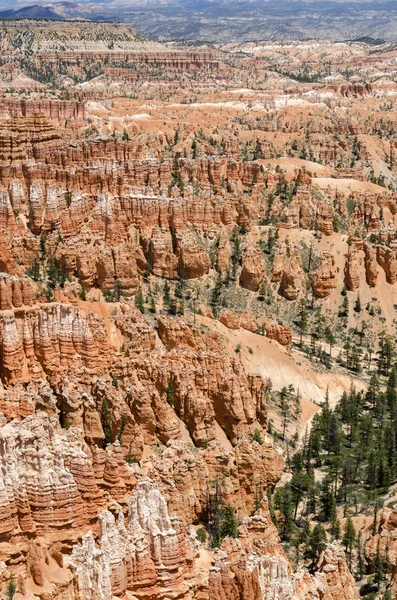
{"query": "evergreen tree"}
pixel 284 503
pixel 214 513
pixel 257 437
pixel 373 390
pixel 327 503
pixel 360 557
pixel 330 338
pixel 120 433
pixel 139 301
pixel 173 307
pixel 236 250
pixel 106 422
pixel 170 392
pixel 303 321
pixel 317 542
pixel 336 530
pixel 344 310
pixel 34 270
pixel 229 522
pixel 300 484
pixel 215 297
pixel 11 588
pixel 349 536
pixel 289 410
pixel 378 565
pixel 166 293
pixel 372 471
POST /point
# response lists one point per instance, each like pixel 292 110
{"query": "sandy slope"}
pixel 284 367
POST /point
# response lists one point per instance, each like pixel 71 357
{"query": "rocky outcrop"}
pixel 52 110
pixel 48 340
pixel 387 259
pixel 193 259
pixel 371 265
pixel 244 321
pixel 186 475
pixel 207 386
pixel 50 481
pixel 16 292
pixel 229 319
pixel 324 279
pixel 252 267
pixel 248 569
pixel 339 581
pixel 287 270
pixel 352 270
pixel 147 555
pixel 281 333
pixel 249 322
pixel 386 537
pixel 223 256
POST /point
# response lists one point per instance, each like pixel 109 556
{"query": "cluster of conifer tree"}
pixel 345 465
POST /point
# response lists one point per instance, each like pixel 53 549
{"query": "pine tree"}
pixel 349 535
pixel 139 301
pixel 214 512
pixel 378 565
pixel 373 390
pixel 236 250
pixel 170 392
pixel 229 522
pixel 284 503
pixel 334 435
pixel 327 503
pixel 106 422
pixel 336 529
pixel 357 304
pixel 317 542
pixel 330 338
pixel 372 471
pixel 326 399
pixel 11 588
pixel 120 433
pixel 173 307
pixel 300 484
pixel 344 311
pixel 34 270
pixel 374 523
pixel 384 472
pixel 286 408
pixel 215 296
pixel 303 322
pixel 257 437
pixel 166 293
pixel 360 557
